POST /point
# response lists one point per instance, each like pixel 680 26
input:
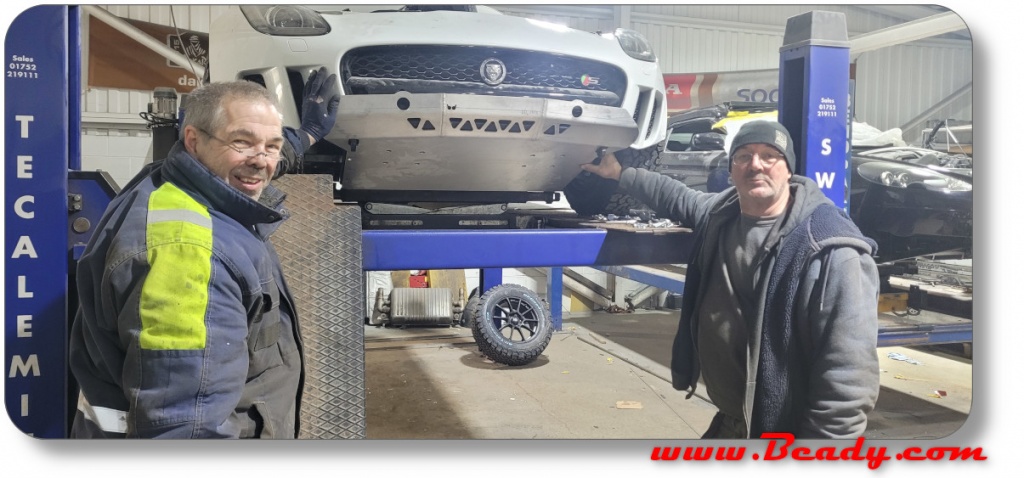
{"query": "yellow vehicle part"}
pixel 892 301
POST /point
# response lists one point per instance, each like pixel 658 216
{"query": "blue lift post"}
pixel 814 92
pixel 814 80
pixel 40 46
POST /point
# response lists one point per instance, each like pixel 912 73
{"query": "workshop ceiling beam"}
pixel 907 32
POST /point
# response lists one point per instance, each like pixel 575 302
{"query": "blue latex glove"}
pixel 320 98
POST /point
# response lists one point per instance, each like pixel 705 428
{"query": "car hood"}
pixel 962 174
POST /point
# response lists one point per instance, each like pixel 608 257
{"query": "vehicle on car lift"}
pixel 460 104
pixel 455 103
pixel 912 201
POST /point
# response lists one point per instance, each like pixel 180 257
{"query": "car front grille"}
pixel 457 69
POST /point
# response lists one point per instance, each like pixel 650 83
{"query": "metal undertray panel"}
pixel 451 142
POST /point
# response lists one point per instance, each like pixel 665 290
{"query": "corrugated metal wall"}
pixel 894 85
pixel 590 18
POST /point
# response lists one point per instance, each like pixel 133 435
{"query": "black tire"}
pixel 589 194
pixel 511 325
pixel 469 310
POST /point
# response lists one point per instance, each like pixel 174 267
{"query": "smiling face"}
pixel 244 152
pixel 763 187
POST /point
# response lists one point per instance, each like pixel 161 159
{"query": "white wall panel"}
pixel 120 152
pixel 95 100
pixel 691 49
pixel 857 20
pixel 896 84
pixel 589 18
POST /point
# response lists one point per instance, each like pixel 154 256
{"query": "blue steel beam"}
pixel 479 249
pixel 926 335
pixel 385 250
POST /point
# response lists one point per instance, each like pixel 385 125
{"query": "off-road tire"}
pixel 469 310
pixel 590 194
pixel 495 327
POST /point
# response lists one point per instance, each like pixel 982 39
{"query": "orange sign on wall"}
pixel 117 61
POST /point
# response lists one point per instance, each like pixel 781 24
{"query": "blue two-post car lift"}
pixel 813 105
pixel 43 189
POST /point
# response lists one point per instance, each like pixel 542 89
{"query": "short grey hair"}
pixel 204 106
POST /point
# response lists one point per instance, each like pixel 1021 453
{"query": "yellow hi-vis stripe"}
pixel 175 294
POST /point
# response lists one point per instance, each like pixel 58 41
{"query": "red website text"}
pixel 780 447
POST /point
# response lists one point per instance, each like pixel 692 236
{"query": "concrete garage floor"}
pixel 604 376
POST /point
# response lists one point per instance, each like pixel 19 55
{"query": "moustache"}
pixel 254 172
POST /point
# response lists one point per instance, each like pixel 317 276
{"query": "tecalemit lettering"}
pixel 24 250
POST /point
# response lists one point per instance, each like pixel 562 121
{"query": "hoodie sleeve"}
pixel 843 334
pixel 666 196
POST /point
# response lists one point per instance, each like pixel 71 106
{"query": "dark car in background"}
pixel 912 201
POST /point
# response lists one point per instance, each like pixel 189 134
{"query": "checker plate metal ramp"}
pixel 320 248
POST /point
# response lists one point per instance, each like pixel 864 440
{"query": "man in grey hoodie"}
pixel 779 311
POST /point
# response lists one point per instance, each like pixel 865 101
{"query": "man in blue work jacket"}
pixel 186 327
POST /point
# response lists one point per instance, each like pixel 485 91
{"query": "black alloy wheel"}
pixel 511 325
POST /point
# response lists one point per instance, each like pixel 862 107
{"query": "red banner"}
pixel 694 90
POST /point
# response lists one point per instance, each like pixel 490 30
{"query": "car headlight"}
pixel 634 44
pixel 285 20
pixel 905 176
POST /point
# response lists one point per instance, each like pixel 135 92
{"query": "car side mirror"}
pixel 707 142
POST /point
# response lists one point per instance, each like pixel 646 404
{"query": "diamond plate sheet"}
pixel 320 248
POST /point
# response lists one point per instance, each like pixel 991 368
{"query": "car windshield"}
pixel 678 141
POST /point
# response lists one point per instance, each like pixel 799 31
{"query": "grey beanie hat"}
pixel 766 132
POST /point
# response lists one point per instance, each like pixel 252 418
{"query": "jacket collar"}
pixel 187 172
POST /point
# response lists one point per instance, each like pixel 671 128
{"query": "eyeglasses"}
pixel 247 149
pixel 768 158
